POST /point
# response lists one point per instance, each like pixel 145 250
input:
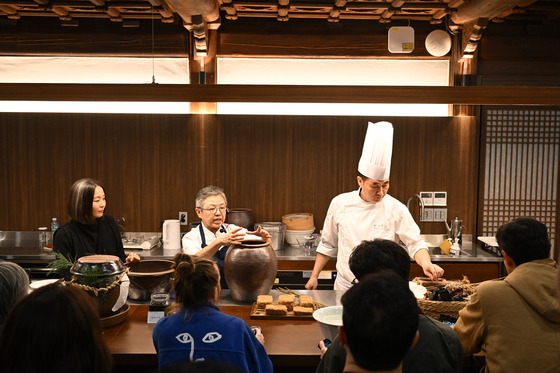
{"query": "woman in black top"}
pixel 89 231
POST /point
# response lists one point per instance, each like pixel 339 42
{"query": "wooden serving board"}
pixel 257 313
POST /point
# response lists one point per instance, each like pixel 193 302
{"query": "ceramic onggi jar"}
pixel 250 269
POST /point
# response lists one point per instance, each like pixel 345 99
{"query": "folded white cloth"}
pixel 125 283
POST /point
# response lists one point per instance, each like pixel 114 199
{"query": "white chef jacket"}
pixel 192 241
pixel 351 220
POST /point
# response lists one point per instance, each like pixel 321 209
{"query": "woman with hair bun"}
pixel 198 330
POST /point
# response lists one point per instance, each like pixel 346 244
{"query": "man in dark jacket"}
pixel 438 349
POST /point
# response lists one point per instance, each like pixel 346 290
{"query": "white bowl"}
pixel 37 284
pixel 330 318
pixel 291 237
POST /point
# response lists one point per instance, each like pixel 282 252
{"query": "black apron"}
pixel 219 257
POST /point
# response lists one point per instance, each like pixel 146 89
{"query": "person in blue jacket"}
pixel 198 331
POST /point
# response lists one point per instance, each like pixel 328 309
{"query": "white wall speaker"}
pixel 438 43
pixel 401 39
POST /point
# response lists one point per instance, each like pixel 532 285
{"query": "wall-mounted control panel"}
pixel 440 198
pixel 435 206
pixel 440 214
pixel 427 198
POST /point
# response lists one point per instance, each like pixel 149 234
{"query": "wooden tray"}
pixel 117 318
pixel 257 313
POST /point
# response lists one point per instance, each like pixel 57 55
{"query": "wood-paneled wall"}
pixel 519 55
pixel 153 165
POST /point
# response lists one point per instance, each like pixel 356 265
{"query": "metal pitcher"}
pixel 454 230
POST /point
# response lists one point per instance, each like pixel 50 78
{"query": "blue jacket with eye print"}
pixel 205 333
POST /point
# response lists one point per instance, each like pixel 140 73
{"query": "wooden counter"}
pixel 291 345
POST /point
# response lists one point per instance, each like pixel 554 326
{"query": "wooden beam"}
pixel 470 95
pixel 472 33
pixel 475 9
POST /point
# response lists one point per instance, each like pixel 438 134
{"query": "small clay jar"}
pixel 241 217
pixel 250 269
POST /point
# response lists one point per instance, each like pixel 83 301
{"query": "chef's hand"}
pixel 232 238
pixel 132 257
pixel 433 271
pixel 312 283
pixel 259 336
pixel 264 234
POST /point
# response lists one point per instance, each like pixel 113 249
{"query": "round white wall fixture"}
pixel 438 43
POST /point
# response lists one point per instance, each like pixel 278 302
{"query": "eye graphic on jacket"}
pixel 185 338
pixel 211 337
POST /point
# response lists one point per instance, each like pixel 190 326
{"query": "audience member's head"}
pixel 380 321
pixel 374 256
pixel 524 240
pixel 195 280
pixel 14 285
pixel 56 328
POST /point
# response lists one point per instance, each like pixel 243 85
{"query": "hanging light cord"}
pixel 153 50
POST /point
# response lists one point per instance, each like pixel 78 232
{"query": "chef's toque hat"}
pixel 375 162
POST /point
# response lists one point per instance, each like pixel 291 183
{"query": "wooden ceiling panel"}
pixel 384 11
pixel 22 20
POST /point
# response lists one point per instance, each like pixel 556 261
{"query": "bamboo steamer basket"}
pixel 433 308
pixel 299 221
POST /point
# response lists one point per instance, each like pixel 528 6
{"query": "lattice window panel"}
pixel 520 166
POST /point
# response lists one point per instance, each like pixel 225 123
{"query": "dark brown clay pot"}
pixel 149 276
pixel 106 300
pixel 250 270
pixel 241 217
pixel 99 272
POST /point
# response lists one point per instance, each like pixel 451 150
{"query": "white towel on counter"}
pixel 125 283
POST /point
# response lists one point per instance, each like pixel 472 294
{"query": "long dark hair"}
pixel 56 328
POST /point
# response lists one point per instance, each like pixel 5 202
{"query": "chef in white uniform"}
pixel 369 213
pixel 213 237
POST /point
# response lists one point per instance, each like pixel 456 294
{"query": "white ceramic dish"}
pixel 417 290
pixel 329 318
pixel 37 284
pixel 291 237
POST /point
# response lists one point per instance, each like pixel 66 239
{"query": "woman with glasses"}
pixel 213 237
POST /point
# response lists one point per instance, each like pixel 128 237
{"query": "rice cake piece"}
pixel 276 309
pixel 303 311
pixel 289 300
pixel 263 300
pixel 306 301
